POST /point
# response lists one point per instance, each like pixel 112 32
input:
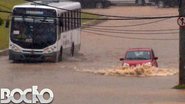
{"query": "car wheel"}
pixel 160 4
pixel 99 5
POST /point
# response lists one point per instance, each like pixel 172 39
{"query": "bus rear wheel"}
pixel 72 49
pixel 61 54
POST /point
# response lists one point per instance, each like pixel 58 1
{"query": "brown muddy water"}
pixel 138 71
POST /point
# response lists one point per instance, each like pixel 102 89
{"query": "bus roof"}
pixel 64 5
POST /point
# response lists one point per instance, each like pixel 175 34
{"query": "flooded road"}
pixel 137 71
pixel 103 52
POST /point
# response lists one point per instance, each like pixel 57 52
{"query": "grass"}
pixel 180 87
pixel 87 16
pixel 3 37
pixel 7 5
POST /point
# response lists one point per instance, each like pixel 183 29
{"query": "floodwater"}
pixel 138 71
pixel 100 56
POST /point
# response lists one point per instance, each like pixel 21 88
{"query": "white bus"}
pixel 41 32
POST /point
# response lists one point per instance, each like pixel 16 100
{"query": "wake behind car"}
pixel 139 56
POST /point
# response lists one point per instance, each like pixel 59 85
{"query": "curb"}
pixel 4 52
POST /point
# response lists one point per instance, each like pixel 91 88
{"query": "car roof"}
pixel 140 49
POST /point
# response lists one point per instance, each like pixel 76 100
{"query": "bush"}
pixel 1 21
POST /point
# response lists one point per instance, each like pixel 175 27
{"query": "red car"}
pixel 139 56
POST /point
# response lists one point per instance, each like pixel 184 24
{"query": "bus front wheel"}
pixel 58 56
pixel 56 59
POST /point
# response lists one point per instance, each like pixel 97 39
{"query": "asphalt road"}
pixel 97 52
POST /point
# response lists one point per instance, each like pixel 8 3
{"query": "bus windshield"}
pixel 33 32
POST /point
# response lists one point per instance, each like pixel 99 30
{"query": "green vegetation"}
pixel 1 21
pixel 3 37
pixel 6 5
pixel 88 16
pixel 180 87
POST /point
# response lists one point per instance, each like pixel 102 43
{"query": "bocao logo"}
pixel 8 96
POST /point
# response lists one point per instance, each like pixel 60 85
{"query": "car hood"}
pixel 136 62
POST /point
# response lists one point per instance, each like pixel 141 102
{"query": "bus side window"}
pixel 76 18
pixel 61 23
pixel 72 19
pixel 79 18
pixel 63 19
pixel 74 13
pixel 67 21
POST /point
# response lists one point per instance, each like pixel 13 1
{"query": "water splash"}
pixel 138 71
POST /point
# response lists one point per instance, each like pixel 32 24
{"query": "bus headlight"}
pixel 50 49
pixel 15 48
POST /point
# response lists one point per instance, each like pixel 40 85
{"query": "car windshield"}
pixel 34 33
pixel 138 55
